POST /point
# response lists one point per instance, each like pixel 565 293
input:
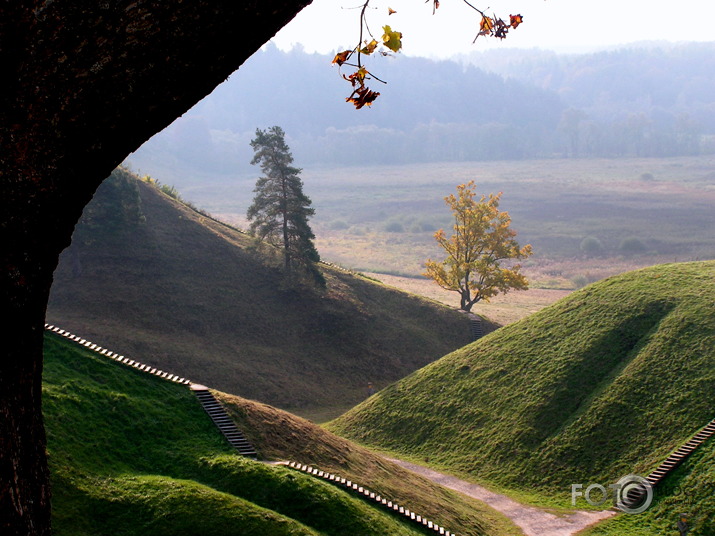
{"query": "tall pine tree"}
pixel 280 210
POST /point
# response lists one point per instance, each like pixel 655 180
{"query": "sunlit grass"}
pixel 604 383
pixel 133 454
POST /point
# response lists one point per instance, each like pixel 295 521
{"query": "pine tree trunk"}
pixel 85 84
pixel 286 237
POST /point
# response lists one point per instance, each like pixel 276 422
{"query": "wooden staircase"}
pixel 208 402
pixel 224 423
pixel 670 463
pixel 476 327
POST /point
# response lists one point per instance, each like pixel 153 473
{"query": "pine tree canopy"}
pixel 280 210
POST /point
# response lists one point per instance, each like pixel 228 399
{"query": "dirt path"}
pixel 533 521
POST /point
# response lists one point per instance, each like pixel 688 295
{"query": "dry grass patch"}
pixel 280 435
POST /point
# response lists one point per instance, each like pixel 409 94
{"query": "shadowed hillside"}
pixel 156 280
pixel 604 383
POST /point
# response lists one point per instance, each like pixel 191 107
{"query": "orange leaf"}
pixel 515 20
pixel 342 57
pixel 391 11
pixel 486 25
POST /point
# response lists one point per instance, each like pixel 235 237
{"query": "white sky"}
pixel 328 26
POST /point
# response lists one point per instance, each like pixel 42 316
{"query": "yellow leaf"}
pixel 369 48
pixel 391 39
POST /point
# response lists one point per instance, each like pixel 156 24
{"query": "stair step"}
pixel 223 422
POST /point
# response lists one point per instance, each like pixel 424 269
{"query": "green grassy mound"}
pixel 280 435
pixel 690 490
pixel 155 280
pixel 604 383
pixel 132 454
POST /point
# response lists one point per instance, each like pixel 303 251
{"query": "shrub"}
pixel 394 227
pixel 579 281
pixel 427 226
pixel 632 246
pixel 591 246
pixel 582 280
pixel 338 225
pixel 170 190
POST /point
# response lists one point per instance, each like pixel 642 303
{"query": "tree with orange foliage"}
pixel 482 240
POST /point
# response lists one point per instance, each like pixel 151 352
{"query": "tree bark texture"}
pixel 85 83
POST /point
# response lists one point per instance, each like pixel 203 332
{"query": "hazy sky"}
pixel 565 25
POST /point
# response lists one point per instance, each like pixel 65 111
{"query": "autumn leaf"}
pixel 486 25
pixel 501 29
pixel 362 73
pixel 358 77
pixel 515 20
pixel 391 39
pixel 391 11
pixel 369 48
pixel 362 96
pixel 342 57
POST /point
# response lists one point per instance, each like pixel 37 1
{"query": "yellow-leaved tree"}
pixel 481 242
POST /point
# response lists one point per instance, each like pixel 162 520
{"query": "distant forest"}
pixel 652 100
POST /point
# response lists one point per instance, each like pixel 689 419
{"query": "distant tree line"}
pixel 539 106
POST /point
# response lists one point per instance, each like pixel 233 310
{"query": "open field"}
pixel 503 309
pixel 382 218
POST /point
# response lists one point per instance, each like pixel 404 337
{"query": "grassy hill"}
pixel 133 454
pixel 690 489
pixel 154 279
pixel 604 383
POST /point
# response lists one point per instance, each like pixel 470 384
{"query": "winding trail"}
pixel 533 521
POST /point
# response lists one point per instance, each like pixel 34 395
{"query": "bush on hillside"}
pixel 591 246
pixel 632 246
pixel 394 227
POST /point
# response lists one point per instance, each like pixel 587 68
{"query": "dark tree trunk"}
pixel 85 83
pixel 287 260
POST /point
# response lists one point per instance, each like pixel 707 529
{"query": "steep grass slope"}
pixel 280 435
pixel 132 454
pixel 604 383
pixel 153 279
pixel 690 490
